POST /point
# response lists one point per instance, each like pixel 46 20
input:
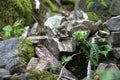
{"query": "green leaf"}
pixel 66 59
pixel 104 49
pixel 7 28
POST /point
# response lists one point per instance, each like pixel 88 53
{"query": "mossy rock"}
pixel 38 75
pixel 35 74
pixel 12 10
pixel 25 51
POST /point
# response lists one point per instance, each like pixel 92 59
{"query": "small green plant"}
pixel 86 46
pixel 14 30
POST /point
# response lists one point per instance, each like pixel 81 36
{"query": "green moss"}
pixel 26 51
pixel 12 10
pixel 38 75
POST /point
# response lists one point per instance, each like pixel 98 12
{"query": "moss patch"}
pixel 37 75
pixel 26 51
pixel 12 10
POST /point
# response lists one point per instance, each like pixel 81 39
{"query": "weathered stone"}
pixel 35 29
pixel 4 73
pixel 113 24
pixel 38 63
pixel 115 39
pixel 42 52
pixel 37 39
pixel 64 45
pixel 52 24
pixel 115 7
pixel 8 49
pixel 85 25
pixel 105 66
pixel 116 52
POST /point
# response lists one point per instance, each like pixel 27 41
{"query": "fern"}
pixel 87 45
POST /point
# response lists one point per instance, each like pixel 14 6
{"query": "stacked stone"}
pixel 113 24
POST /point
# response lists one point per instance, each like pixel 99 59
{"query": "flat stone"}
pixel 115 7
pixel 116 52
pixel 38 63
pixel 64 45
pixel 113 24
pixel 115 39
pixel 4 73
pixel 8 49
pixel 37 39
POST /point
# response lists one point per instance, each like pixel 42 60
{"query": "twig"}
pixel 89 62
pixel 64 66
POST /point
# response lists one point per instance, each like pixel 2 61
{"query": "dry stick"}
pixel 89 62
pixel 64 66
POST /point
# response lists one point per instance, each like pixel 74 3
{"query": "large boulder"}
pixel 8 49
pixel 13 52
pixel 115 7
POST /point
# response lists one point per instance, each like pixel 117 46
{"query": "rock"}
pixel 8 49
pixel 35 30
pixel 113 24
pixel 35 4
pixel 78 15
pixel 37 39
pixel 52 23
pixel 115 7
pixel 116 52
pixel 63 45
pixel 115 39
pixel 39 64
pixel 80 25
pixel 4 74
pixel 105 66
pixel 42 52
pixel 25 34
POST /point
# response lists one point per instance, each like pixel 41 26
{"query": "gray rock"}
pixel 64 45
pixel 4 73
pixel 116 52
pixel 42 52
pixel 115 7
pixel 113 24
pixel 35 29
pixel 115 39
pixel 105 66
pixel 9 48
pixel 52 24
pixel 80 25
